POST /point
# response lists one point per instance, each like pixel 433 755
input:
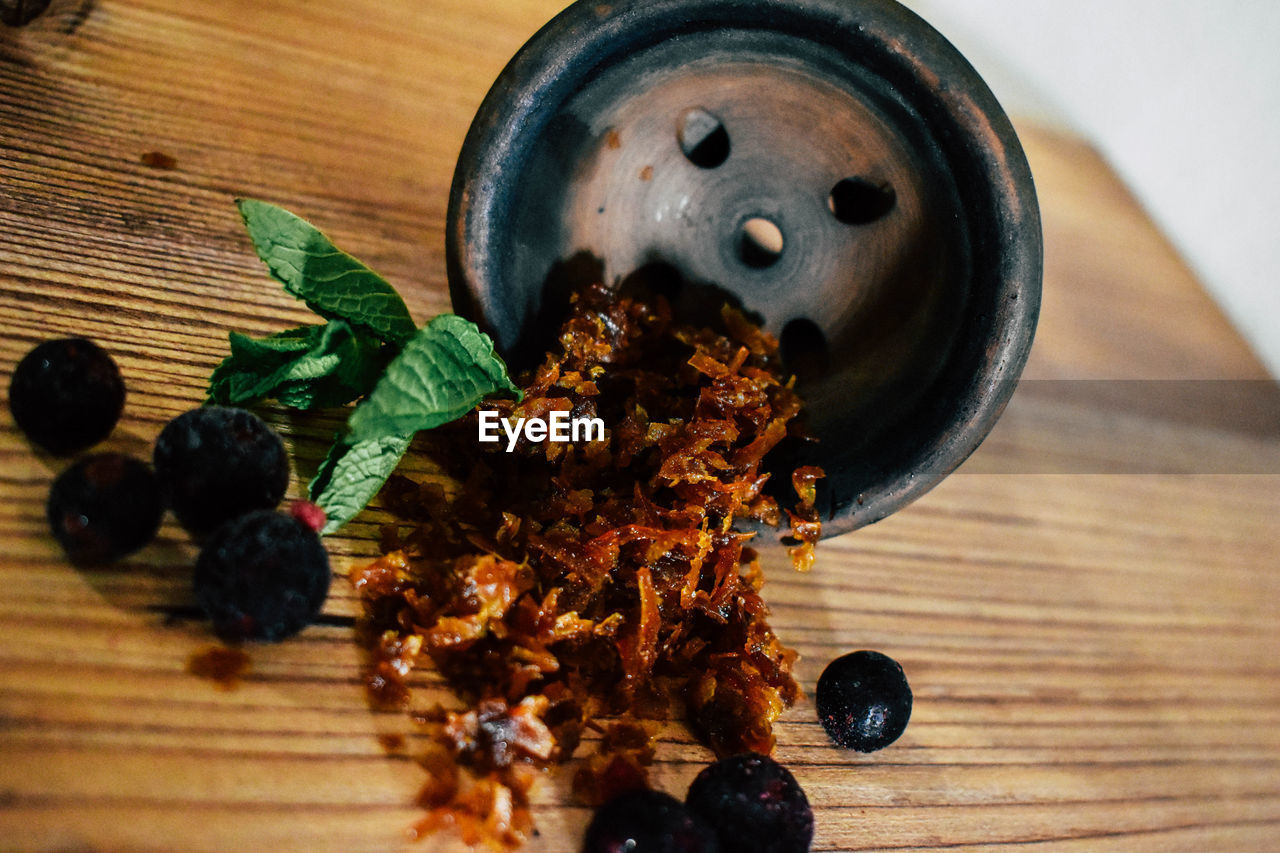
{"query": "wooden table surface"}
pixel 1087 611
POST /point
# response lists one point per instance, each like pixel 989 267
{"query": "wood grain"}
pixel 1094 654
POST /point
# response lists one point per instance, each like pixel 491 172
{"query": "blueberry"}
pixel 864 701
pixel 262 576
pixel 66 395
pixel 104 507
pixel 646 821
pixel 217 463
pixel 755 805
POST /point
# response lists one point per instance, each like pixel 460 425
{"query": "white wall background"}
pixel 1183 99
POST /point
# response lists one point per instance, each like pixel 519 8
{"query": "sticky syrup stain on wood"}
pixel 159 160
pixel 392 742
pixel 225 666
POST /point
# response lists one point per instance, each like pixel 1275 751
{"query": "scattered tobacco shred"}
pixel 564 582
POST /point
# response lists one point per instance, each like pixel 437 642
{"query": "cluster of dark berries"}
pixel 261 575
pixel 746 804
pixel 66 396
pixel 749 803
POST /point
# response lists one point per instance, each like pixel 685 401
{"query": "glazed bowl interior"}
pixel 835 167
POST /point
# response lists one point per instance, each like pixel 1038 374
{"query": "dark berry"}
pixel 262 576
pixel 864 701
pixel 217 463
pixel 755 805
pixel 647 821
pixel 66 395
pixel 104 507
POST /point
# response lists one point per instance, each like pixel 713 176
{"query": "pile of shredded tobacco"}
pixel 563 584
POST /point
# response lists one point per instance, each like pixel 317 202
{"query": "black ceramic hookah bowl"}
pixel 835 165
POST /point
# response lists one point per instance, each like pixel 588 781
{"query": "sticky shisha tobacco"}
pixel 566 582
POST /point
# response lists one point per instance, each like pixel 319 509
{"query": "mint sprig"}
pixel 413 379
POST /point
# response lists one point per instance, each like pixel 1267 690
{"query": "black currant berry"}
pixel 216 463
pixel 754 804
pixel 104 507
pixel 864 701
pixel 66 395
pixel 262 576
pixel 646 821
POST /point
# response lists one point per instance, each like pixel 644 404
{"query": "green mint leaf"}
pixel 307 367
pixel 331 282
pixel 357 361
pixel 441 372
pixel 250 360
pixel 439 376
pixel 352 474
